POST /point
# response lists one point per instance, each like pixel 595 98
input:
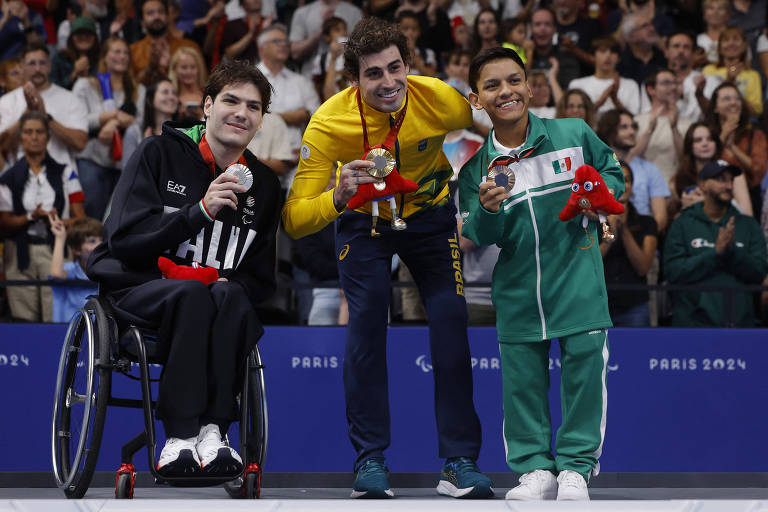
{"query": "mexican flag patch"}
pixel 562 165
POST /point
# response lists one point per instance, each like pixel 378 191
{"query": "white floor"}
pixel 163 499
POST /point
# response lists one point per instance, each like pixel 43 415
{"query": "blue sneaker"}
pixel 372 480
pixel 461 478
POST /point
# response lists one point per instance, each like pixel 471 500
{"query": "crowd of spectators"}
pixel 674 87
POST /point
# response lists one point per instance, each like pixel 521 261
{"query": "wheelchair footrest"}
pixel 194 481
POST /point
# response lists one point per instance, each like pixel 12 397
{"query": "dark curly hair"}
pixel 236 72
pixel 372 35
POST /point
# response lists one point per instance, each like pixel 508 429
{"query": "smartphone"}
pixel 341 40
pixel 191 105
pixel 690 190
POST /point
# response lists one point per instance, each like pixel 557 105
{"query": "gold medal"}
pixel 383 162
pixel 503 176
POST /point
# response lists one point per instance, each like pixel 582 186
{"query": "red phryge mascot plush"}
pixel 170 270
pixel 394 184
pixel 374 192
pixel 588 192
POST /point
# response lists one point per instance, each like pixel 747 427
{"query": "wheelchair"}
pixel 95 346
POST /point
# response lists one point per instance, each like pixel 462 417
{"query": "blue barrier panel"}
pixel 680 400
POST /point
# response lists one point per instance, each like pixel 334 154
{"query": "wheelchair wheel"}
pixel 80 403
pixel 124 487
pixel 253 434
pixel 252 487
pixel 258 418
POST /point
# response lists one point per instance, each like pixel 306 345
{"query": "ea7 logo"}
pixel 176 188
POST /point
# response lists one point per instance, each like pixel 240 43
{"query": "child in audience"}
pixel 514 38
pixel 81 238
pixel 457 70
pixel 328 67
pixel 423 59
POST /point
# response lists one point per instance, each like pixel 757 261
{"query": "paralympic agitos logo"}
pixel 478 363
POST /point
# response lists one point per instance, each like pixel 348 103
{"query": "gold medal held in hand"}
pixel 503 176
pixel 383 162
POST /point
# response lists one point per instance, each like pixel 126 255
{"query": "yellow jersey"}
pixel 334 137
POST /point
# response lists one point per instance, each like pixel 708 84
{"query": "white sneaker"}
pixel 215 454
pixel 571 486
pixel 179 457
pixel 535 485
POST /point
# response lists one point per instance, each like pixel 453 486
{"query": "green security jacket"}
pixel 544 286
pixel 690 258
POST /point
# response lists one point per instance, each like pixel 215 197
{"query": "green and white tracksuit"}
pixel 547 284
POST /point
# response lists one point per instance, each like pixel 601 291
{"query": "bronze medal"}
pixel 584 203
pixel 503 176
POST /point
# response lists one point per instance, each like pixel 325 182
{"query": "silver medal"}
pixel 242 173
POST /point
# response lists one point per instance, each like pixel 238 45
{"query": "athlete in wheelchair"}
pixel 188 251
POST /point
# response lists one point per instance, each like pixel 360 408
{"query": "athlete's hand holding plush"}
pixel 357 186
pixel 351 176
pixel 394 184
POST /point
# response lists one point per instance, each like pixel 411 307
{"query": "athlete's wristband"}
pixel 203 209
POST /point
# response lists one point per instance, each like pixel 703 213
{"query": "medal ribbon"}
pixel 506 160
pixel 205 150
pixel 389 142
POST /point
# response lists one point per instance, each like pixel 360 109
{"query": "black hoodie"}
pixel 155 212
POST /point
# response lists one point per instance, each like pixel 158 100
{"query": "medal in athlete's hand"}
pixel 383 162
pixel 502 176
pixel 242 173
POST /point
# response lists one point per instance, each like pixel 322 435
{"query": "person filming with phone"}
pixel 188 74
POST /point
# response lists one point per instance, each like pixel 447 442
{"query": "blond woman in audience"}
pixel 188 75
